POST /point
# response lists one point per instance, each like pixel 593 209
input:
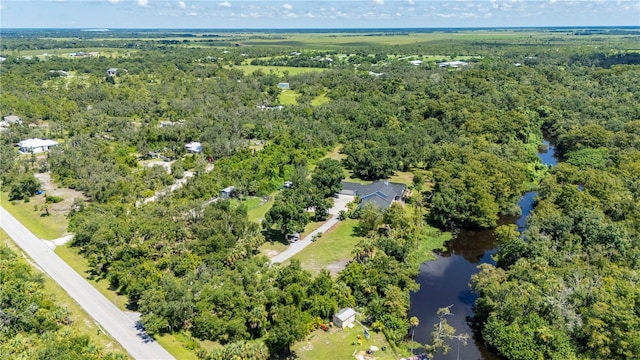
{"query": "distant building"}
pixel 288 184
pixel 36 145
pixel 381 193
pixel 194 147
pixel 227 192
pixel 112 72
pixel 415 62
pixel 453 64
pixel 12 119
pixel 283 85
pixel 2 59
pixel 344 318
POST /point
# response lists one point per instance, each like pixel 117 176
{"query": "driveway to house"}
pixel 123 327
pixel 339 204
pixel 175 186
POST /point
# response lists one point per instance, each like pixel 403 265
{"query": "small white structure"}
pixel 112 72
pixel 283 85
pixel 227 192
pixel 36 145
pixel 12 119
pixel 344 318
pixel 415 62
pixel 453 64
pixel 194 147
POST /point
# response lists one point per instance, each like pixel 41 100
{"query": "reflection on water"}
pixel 445 281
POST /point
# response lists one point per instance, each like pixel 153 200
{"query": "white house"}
pixel 194 147
pixel 112 72
pixel 453 64
pixel 415 62
pixel 344 317
pixel 36 145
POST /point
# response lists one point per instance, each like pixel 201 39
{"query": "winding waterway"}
pixel 445 281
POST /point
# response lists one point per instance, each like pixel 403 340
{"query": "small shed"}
pixel 283 85
pixel 112 72
pixel 194 147
pixel 12 119
pixel 227 192
pixel 344 317
pixel 288 184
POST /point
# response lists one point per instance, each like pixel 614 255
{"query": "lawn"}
pixel 81 322
pixel 33 218
pixel 257 207
pixel 334 247
pixel 288 97
pixel 339 344
pixel 320 100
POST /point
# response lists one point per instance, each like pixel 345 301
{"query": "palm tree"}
pixel 414 322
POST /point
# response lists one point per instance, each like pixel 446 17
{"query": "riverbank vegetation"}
pixel 191 263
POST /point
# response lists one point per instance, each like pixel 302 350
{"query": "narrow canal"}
pixel 445 281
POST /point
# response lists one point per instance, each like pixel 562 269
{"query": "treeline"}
pixel 567 288
pixel 32 325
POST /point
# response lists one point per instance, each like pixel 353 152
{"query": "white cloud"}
pixel 225 4
pixel 182 5
pixel 412 2
pixel 192 14
pixel 287 6
pixel 114 1
pixel 378 2
pixel 143 3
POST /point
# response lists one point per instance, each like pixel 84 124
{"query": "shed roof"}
pixel 345 314
pixel 12 119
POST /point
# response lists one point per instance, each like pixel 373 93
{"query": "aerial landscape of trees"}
pixel 566 287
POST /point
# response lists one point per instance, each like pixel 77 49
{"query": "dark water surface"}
pixel 445 281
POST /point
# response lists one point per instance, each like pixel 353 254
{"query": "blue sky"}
pixel 223 14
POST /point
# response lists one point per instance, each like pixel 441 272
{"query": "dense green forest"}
pixel 567 287
pixel 32 325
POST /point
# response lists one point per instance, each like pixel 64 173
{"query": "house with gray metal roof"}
pixel 381 193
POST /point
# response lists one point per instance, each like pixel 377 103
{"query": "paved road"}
pixel 120 325
pixel 339 204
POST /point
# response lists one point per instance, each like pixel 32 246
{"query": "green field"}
pixel 31 216
pixel 333 247
pixel 320 100
pixel 288 97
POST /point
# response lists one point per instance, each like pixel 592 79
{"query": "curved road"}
pixel 120 325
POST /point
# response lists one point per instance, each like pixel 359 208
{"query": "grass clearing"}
pixel 288 97
pixel 320 100
pixel 80 320
pixel 33 218
pixel 176 345
pixel 338 344
pixel 334 247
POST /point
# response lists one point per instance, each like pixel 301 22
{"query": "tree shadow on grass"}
pixel 274 236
